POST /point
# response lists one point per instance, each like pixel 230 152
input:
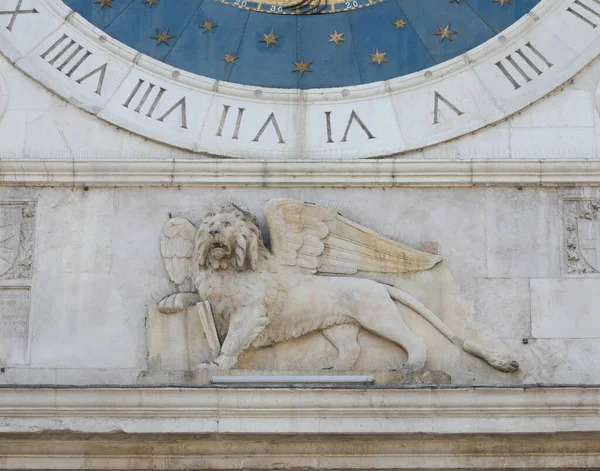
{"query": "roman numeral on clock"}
pixel 14 13
pixel 67 57
pixel 525 62
pixel 587 11
pixel 180 105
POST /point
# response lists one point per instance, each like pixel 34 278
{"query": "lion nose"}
pixel 214 231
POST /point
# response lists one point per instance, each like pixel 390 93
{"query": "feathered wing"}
pixel 324 242
pixel 177 248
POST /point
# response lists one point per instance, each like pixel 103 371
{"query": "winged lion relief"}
pixel 319 276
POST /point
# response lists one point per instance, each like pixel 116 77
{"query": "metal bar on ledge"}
pixel 293 379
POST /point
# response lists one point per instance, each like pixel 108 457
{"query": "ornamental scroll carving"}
pixel 324 273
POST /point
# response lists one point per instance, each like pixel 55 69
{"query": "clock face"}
pixel 277 44
pixel 376 81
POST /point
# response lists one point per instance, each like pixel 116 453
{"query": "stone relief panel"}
pixel 324 274
pixel 582 236
pixel 17 223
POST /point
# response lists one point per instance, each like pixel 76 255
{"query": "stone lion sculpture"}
pixel 319 276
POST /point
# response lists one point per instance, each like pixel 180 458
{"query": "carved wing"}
pixel 177 248
pixel 324 242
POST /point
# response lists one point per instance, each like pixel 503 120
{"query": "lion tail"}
pixel 498 360
pixel 417 306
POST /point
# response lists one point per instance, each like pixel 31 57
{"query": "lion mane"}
pixel 248 243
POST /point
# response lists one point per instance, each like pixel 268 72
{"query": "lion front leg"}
pixel 244 327
pixel 178 302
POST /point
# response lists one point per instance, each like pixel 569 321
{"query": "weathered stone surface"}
pixel 559 361
pixel 318 451
pixel 14 325
pixel 565 308
pixel 95 330
pixel 502 308
pixel 523 233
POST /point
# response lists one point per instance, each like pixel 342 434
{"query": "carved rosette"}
pixel 582 236
pixel 17 222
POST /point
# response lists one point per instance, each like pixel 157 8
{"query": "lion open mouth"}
pixel 220 250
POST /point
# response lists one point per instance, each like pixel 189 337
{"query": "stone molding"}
pixel 458 410
pixel 454 98
pixel 359 173
pixel 300 428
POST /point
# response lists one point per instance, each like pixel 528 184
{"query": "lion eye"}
pixel 227 224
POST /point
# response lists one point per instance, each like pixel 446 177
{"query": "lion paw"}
pixel 225 362
pixel 503 363
pixel 177 302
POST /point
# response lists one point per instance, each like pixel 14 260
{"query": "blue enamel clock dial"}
pixel 303 44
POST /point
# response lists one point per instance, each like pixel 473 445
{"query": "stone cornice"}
pixel 308 411
pixel 244 173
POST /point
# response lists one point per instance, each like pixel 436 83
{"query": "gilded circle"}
pixel 287 7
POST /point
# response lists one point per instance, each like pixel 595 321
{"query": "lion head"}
pixel 228 237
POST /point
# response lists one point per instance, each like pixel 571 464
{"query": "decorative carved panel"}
pixel 582 236
pixel 17 221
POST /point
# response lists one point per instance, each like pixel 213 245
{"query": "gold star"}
pixel 270 39
pixel 445 33
pixel 230 58
pixel 302 66
pixel 336 37
pixel 502 2
pixel 162 37
pixel 104 3
pixel 208 26
pixel 400 23
pixel 151 2
pixel 378 57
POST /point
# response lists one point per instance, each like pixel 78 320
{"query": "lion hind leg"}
pixel 385 320
pixel 345 340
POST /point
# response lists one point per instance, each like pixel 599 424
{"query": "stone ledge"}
pixel 309 411
pixel 125 451
pixel 391 378
pixel 273 174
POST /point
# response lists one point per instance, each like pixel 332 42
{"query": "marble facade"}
pixel 506 192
